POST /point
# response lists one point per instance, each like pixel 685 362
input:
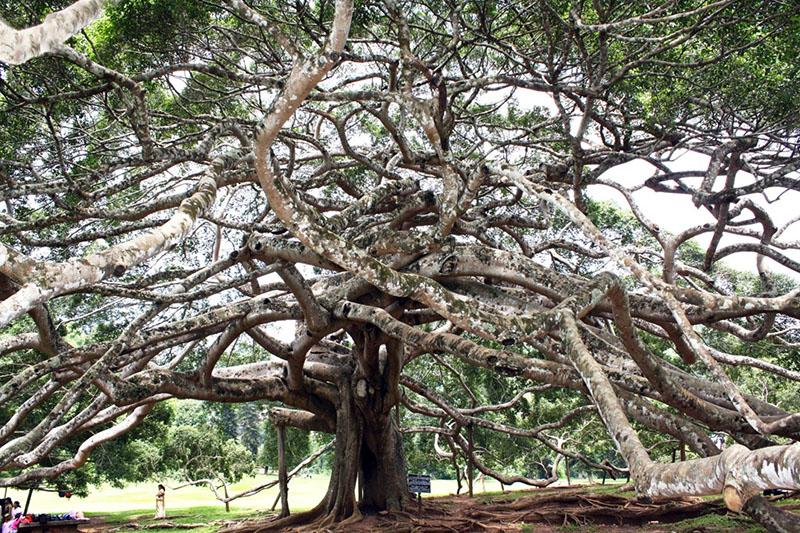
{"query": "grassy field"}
pixel 197 505
pixel 304 493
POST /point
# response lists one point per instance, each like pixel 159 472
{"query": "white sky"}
pixel 676 212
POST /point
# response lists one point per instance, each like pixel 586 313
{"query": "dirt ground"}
pixel 541 511
pixel 576 508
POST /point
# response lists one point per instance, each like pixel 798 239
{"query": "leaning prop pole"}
pixel 282 479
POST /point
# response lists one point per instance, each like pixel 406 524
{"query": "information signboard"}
pixel 419 483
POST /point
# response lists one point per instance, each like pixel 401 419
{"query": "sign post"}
pixel 419 483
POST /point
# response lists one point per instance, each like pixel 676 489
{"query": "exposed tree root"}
pixel 554 507
pixel 160 525
pixel 579 508
pixel 275 524
pixel 773 518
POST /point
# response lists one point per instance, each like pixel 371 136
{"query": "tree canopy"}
pixel 382 217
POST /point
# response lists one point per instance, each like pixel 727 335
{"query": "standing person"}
pixel 160 512
pixel 16 511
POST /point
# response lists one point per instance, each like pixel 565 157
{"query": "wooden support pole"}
pixel 470 452
pixel 28 501
pixel 282 478
pixel 360 485
pixel 275 503
pixel 454 461
pixel 566 470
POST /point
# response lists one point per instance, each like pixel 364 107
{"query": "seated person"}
pixel 10 525
pixel 16 511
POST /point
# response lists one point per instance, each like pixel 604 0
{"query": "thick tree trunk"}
pixel 382 466
pixel 381 462
pixel 369 449
pixel 340 501
pixel 369 446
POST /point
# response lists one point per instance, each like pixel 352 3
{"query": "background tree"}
pixel 204 455
pixel 404 184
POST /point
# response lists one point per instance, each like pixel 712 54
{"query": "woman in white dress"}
pixel 160 512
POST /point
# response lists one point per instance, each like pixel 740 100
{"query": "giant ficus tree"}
pixel 393 182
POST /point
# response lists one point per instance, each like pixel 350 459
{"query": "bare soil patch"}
pixel 548 509
pixel 540 510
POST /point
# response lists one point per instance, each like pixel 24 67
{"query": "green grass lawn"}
pixel 304 493
pixel 195 504
pixel 212 517
pixel 139 499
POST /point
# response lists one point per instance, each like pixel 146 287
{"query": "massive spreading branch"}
pixel 359 192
